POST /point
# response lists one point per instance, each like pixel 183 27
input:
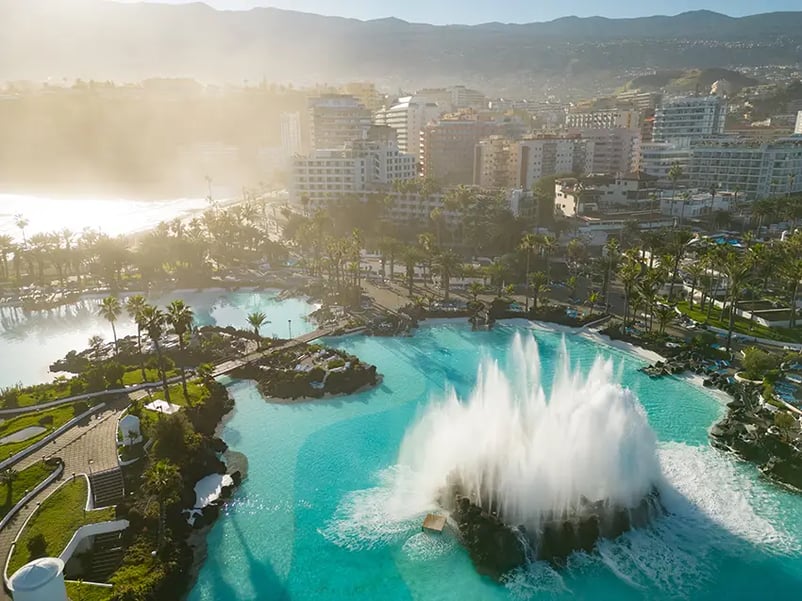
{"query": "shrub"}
pixel 10 396
pixel 335 363
pixel 46 421
pixel 77 387
pixel 37 547
pixel 758 363
pixel 113 373
pixel 95 380
pixel 79 408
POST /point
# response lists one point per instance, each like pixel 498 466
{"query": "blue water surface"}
pixel 308 521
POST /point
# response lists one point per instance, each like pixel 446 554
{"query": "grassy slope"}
pixel 27 479
pixel 61 415
pixel 742 326
pixel 60 515
pixel 87 592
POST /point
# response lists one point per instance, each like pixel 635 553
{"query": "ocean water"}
pixel 112 216
pixel 311 521
pixel 31 340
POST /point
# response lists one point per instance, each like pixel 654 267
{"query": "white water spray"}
pixel 529 457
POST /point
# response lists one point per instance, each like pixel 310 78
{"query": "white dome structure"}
pixel 39 580
pixel 129 430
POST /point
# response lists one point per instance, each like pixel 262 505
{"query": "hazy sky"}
pixel 520 11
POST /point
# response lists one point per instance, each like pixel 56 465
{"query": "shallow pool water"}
pixel 311 519
pixel 31 340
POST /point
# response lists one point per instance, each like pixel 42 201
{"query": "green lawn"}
pixel 60 415
pixel 81 591
pixel 134 376
pixel 195 389
pixel 60 515
pixel 742 326
pixel 44 394
pixel 27 479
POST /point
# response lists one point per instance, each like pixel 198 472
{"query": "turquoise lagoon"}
pixel 31 340
pixel 311 521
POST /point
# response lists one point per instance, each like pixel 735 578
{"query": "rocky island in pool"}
pixel 309 371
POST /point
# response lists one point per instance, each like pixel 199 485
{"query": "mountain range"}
pixel 101 39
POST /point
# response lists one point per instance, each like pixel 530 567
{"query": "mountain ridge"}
pixel 100 39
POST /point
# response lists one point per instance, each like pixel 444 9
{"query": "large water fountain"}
pixel 529 475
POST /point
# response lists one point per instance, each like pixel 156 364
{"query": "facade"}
pixel 327 176
pixel 615 150
pixel 757 169
pixel 291 143
pixel 657 158
pixel 612 119
pixel 798 128
pixel 494 163
pixel 543 156
pixel 607 194
pixel 337 120
pixel 687 119
pixel 696 205
pixel 408 117
pixel 448 148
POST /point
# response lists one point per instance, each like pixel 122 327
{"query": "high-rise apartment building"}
pixel 685 120
pixel 657 159
pixel 448 147
pixel 336 120
pixel 543 156
pixel 329 175
pixel 291 134
pixel 494 163
pixel 615 150
pixel 757 169
pixel 408 117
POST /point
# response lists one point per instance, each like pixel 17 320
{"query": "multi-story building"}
pixel 798 128
pixel 448 147
pixel 291 143
pixel 366 93
pixel 615 150
pixel 337 120
pixel 408 117
pixel 604 194
pixel 495 164
pixel 684 120
pixel 328 175
pixel 657 158
pixel 757 169
pixel 610 119
pixel 644 102
pixel 545 155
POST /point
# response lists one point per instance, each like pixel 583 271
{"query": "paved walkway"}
pixel 95 439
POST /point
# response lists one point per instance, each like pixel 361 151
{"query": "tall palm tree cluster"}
pixel 217 240
pixel 718 275
pixel 177 318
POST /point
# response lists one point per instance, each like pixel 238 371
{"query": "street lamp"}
pixel 289 326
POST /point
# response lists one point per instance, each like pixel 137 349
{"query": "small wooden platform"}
pixel 434 523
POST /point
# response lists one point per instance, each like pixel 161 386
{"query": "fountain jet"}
pixel 529 475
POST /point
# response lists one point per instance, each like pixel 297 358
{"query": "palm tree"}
pixel 696 270
pixel 134 306
pixel 738 270
pixel 448 264
pixel 548 245
pixel 528 243
pixel 538 285
pixel 475 289
pixel 7 477
pixel 153 320
pixel 180 317
pixel 665 314
pixel 674 174
pixel 163 481
pixel 110 309
pixel 21 223
pixel 411 257
pixel 96 348
pixel 256 320
pixel 629 273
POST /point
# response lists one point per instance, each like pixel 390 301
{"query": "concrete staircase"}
pixel 107 554
pixel 108 488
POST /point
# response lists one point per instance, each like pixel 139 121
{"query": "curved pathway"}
pixel 94 438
